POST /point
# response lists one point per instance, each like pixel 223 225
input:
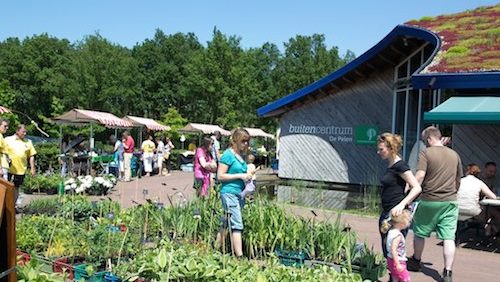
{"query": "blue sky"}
pixel 354 24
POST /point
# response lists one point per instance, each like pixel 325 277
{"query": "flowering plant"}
pixel 91 185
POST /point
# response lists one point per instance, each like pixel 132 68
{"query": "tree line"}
pixel 168 75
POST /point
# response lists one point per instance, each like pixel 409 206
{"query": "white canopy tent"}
pixel 150 124
pixel 79 117
pixel 257 132
pixel 204 129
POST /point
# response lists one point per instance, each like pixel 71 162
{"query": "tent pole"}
pixel 60 138
pixel 91 137
pixel 116 132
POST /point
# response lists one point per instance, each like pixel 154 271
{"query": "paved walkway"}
pixel 470 265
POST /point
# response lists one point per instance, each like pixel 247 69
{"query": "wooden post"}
pixel 7 231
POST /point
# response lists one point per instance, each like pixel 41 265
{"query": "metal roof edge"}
pixel 399 30
pixel 465 80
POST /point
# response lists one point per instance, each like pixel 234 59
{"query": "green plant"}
pixel 76 207
pixel 50 236
pixel 42 183
pixel 31 272
pixel 106 241
pixel 191 263
pixel 48 206
pixel 47 159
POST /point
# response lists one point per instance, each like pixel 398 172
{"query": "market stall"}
pixel 257 132
pixel 201 128
pixel 79 117
pixel 149 124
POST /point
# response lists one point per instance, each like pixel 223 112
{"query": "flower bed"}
pixel 91 185
pixel 101 232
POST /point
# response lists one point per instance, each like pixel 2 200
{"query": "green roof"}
pixel 470 41
pixel 466 110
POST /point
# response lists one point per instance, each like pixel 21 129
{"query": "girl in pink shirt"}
pixel 203 165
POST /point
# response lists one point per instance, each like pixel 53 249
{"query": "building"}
pixel 443 70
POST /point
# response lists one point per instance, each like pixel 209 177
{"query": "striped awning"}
pixel 79 117
pixel 257 132
pixel 150 124
pixel 204 128
pixel 4 110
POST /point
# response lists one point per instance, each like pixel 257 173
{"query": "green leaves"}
pixel 162 258
pixel 220 83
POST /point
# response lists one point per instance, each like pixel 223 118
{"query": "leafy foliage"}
pixel 189 263
pixel 220 83
pixel 47 157
pixel 184 235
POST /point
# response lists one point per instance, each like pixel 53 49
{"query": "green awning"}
pixel 466 110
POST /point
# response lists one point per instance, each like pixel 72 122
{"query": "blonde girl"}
pixel 396 245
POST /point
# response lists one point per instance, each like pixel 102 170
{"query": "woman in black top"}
pixel 394 179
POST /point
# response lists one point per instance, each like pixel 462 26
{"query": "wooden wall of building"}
pixel 477 143
pixel 321 156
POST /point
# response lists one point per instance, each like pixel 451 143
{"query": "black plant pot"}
pixel 51 191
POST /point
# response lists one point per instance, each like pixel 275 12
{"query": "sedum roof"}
pixel 470 41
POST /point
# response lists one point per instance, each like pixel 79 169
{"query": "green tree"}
pixel 162 67
pixel 107 78
pixel 210 79
pixel 173 119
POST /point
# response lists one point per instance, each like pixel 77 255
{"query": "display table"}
pixel 102 163
pixel 490 202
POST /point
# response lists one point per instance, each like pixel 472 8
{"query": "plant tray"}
pixel 45 263
pixel 66 265
pixel 22 257
pixel 81 273
pixel 110 277
pixel 291 258
pixel 313 263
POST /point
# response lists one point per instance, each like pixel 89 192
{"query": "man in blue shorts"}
pixel 439 171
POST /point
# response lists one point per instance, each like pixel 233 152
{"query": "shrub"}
pixel 48 206
pixel 42 184
pixel 47 157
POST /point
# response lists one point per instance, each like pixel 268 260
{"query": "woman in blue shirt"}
pixel 232 173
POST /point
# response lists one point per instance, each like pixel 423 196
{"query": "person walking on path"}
pixel 203 166
pixel 439 171
pixel 233 174
pixel 169 146
pixel 128 147
pixel 394 180
pixel 20 151
pixel 160 152
pixel 118 155
pixel 4 161
pixel 396 245
pixel 148 148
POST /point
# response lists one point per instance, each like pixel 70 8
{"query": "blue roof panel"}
pixel 400 30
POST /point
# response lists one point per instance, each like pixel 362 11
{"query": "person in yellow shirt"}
pixel 20 151
pixel 148 148
pixel 4 159
pixel 4 162
pixel 192 146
